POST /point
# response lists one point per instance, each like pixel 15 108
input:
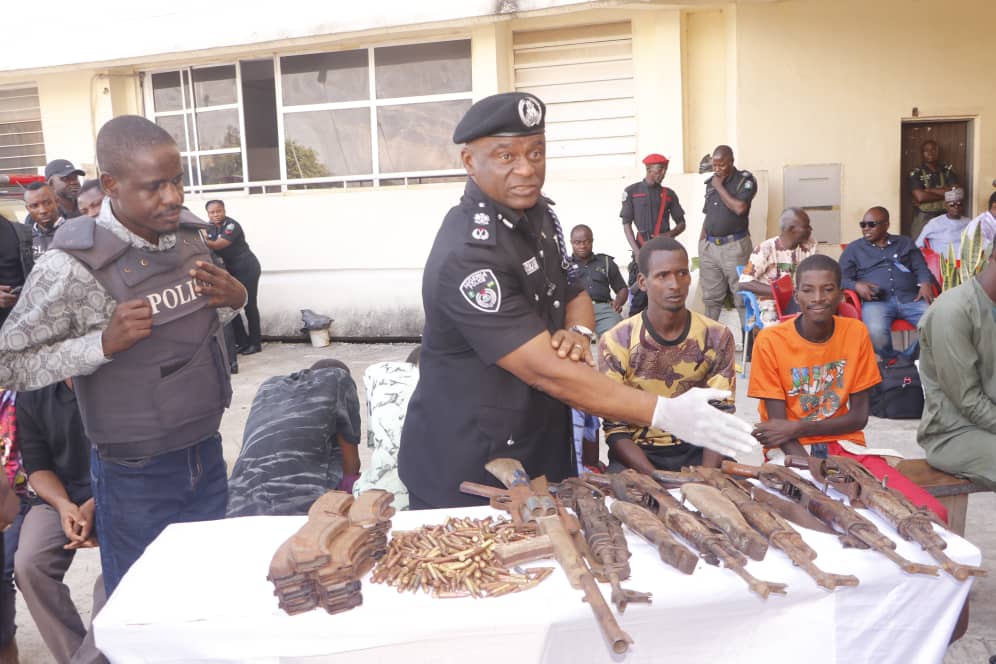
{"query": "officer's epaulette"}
pixel 481 226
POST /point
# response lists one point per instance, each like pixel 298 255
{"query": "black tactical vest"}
pixel 168 391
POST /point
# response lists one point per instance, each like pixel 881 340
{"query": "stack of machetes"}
pixel 322 563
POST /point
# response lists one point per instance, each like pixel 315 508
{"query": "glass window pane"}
pixel 419 137
pixel 422 69
pixel 218 129
pixel 259 107
pixel 322 78
pixel 174 125
pixel 166 91
pixel 214 86
pixel 221 168
pixel 326 143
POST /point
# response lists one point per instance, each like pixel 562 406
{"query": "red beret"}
pixel 655 159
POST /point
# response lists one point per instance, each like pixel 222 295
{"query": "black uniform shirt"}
pixel 230 230
pixel 492 282
pixel 721 220
pixel 50 436
pixel 600 277
pixel 641 205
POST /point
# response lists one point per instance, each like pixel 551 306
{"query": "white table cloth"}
pixel 200 594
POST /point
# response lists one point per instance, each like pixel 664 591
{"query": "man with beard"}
pixel 64 178
pixel 666 351
pixel 44 216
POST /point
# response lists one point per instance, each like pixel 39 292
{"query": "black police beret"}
pixel 505 114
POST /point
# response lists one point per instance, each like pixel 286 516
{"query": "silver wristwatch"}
pixel 585 332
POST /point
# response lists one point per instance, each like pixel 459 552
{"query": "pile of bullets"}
pixel 455 559
pixel 321 564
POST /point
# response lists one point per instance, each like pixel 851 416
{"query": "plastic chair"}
pixel 781 290
pixel 933 260
pixel 752 320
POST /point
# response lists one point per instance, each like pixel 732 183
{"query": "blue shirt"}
pixel 897 269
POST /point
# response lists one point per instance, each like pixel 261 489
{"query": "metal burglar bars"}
pixel 22 146
pixel 375 116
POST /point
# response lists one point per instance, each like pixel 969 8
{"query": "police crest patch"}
pixel 482 290
pixel 480 234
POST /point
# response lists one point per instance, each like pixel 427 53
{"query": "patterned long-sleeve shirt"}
pixel 55 330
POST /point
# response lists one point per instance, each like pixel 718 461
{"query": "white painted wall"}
pixel 358 255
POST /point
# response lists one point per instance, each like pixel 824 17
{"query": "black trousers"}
pixel 247 271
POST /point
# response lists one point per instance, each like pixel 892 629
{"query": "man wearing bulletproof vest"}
pixel 130 306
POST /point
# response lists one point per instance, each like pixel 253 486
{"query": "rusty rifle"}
pixel 535 504
pixel 852 529
pixel 713 545
pixel 779 532
pixel 914 524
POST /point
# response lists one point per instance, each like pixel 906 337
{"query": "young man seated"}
pixel 666 350
pixel 813 375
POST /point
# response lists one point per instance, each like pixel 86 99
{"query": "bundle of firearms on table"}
pixel 914 524
pixel 601 539
pixel 531 503
pixel 705 536
pixel 697 485
pixel 852 529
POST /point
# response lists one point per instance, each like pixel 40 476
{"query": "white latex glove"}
pixel 691 418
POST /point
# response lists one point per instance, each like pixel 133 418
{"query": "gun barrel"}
pixel 618 639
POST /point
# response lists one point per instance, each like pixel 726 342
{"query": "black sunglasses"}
pixel 868 224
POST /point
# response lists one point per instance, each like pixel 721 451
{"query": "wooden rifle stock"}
pixel 914 524
pixel 511 473
pixel 852 528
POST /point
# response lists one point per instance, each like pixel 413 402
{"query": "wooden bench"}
pixel 950 491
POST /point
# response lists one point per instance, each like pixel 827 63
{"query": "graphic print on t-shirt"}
pixel 818 389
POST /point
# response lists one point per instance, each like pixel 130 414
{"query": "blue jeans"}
pixel 8 595
pixel 878 315
pixel 135 499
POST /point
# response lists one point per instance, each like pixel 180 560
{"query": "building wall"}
pixel 357 254
pixel 705 76
pixel 831 82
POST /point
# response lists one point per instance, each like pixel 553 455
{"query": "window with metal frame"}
pixel 375 116
pixel 22 145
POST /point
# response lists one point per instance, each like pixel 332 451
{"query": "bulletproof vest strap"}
pixel 94 246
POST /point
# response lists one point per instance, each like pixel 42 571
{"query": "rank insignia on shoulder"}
pixel 482 291
pixel 625 195
pixel 482 219
pixel 480 234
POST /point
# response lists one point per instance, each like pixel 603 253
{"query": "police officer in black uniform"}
pixel 725 240
pixel 507 329
pixel 650 206
pixel 600 276
pixel 227 239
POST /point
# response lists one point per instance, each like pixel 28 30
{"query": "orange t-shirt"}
pixel 815 380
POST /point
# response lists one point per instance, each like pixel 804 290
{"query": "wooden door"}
pixel 952 139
